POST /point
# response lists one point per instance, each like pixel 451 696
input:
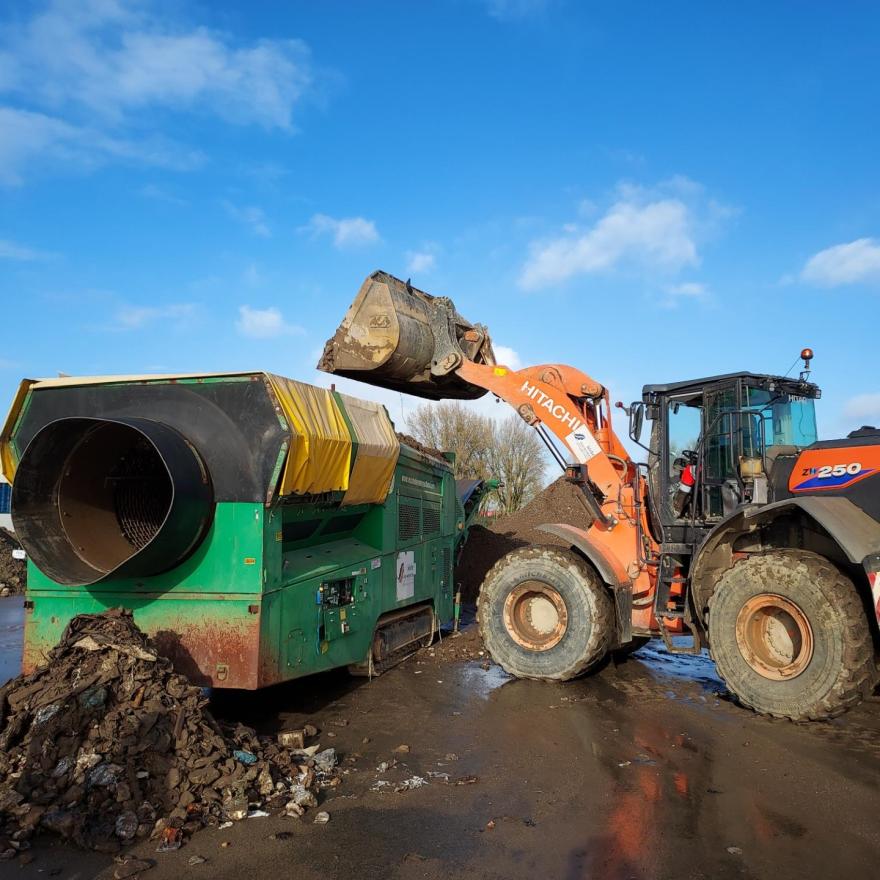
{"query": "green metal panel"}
pixel 253 604
pixel 229 560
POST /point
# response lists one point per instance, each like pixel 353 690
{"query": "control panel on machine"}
pixel 335 594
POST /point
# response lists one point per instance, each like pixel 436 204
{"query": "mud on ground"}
pixel 452 770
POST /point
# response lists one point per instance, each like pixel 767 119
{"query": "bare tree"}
pixel 519 460
pixel 452 427
pixel 507 450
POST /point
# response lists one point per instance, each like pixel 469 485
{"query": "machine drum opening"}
pixel 93 497
pixel 142 494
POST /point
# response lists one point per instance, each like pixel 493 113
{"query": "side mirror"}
pixel 636 421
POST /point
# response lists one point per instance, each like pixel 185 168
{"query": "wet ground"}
pixel 643 770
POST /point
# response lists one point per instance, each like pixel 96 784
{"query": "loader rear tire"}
pixel 544 613
pixel 789 636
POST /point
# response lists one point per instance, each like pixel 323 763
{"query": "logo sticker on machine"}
pixel 406 574
pixel 583 444
pixel 376 563
pixel 834 468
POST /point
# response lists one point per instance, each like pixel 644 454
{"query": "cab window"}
pixel 685 425
pixel 787 420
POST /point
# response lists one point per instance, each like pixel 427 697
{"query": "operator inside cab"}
pixel 730 440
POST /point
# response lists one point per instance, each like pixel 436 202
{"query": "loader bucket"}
pixel 398 337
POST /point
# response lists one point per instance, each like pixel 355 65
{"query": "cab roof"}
pixel 696 386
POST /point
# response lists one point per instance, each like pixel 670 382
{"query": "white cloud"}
pixel 264 323
pixel 688 289
pixel 251 216
pixel 346 232
pixel 649 228
pixel 852 263
pixel 157 194
pixel 95 69
pixel 692 291
pixel 252 276
pixel 865 407
pixel 133 317
pixel 422 261
pixel 27 138
pixel 117 56
pixel 507 357
pixel 10 250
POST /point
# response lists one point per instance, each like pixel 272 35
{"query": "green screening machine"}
pixel 260 529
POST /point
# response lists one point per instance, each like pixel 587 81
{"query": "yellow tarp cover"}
pixel 8 461
pixel 377 452
pixel 319 459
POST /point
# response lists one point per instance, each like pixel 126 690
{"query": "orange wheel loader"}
pixel 742 532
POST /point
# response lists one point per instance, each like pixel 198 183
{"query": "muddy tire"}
pixel 544 613
pixel 789 636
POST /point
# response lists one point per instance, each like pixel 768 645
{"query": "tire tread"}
pixel 603 625
pixel 858 672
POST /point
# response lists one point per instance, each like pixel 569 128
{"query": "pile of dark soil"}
pixel 408 440
pixel 465 645
pixel 13 572
pixel 560 502
pixel 106 744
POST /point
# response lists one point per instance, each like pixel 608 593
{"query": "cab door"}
pixel 719 480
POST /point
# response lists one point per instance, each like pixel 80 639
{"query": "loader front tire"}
pixel 544 613
pixel 789 636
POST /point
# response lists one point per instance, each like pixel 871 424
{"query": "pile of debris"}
pixel 560 502
pixel 411 441
pixel 13 572
pixel 106 744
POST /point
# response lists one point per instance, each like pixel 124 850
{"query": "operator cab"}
pixel 723 442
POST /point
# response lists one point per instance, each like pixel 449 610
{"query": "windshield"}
pixel 788 420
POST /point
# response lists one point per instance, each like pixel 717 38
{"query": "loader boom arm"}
pixel 572 406
pixel 397 336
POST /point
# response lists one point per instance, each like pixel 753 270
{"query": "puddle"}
pixel 697 668
pixel 11 636
pixel 483 682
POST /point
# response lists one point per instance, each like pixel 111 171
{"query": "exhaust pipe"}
pixel 99 498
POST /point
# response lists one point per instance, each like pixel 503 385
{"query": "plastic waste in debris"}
pixel 325 761
pixel 126 825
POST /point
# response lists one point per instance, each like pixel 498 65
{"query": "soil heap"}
pixel 560 502
pixel 408 440
pixel 13 572
pixel 106 743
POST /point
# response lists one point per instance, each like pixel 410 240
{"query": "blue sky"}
pixel 648 191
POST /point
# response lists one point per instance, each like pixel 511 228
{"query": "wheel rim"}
pixel 535 616
pixel 774 637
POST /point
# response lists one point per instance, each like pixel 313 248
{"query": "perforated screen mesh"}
pixel 141 494
pixel 430 520
pixel 408 521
